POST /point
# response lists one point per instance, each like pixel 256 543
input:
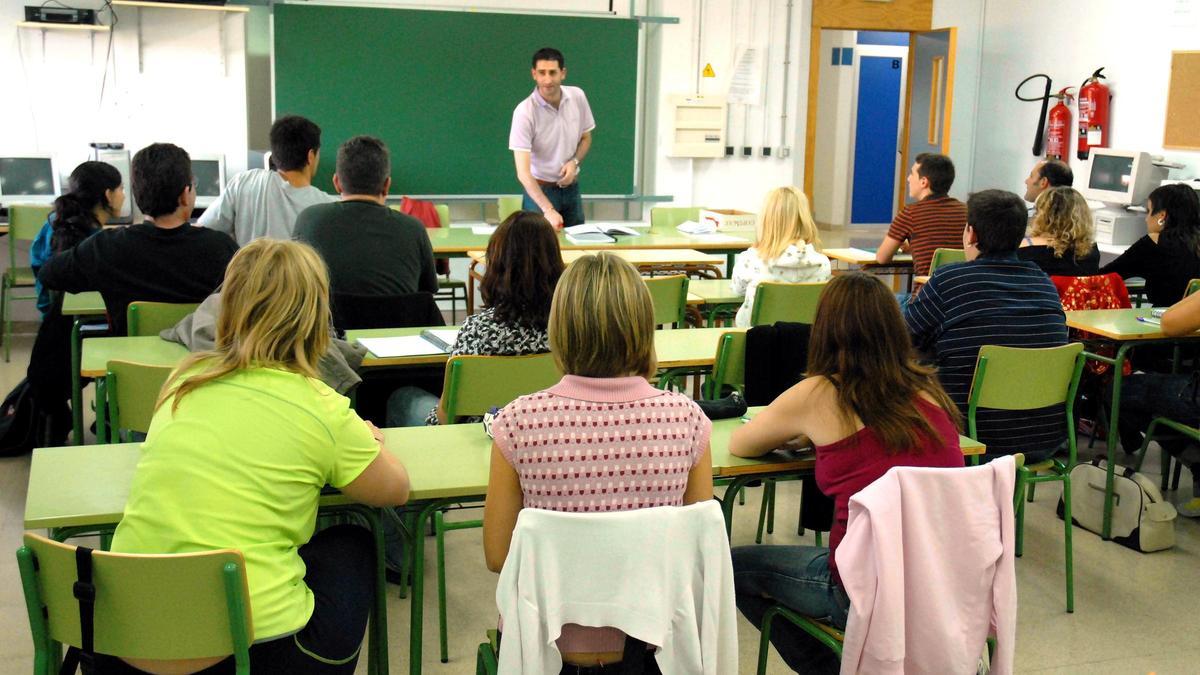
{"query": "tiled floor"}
pixel 1134 612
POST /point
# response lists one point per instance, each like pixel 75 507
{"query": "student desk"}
pixel 1122 328
pixel 456 242
pixel 82 487
pixel 900 264
pixel 669 260
pixel 715 298
pixel 82 306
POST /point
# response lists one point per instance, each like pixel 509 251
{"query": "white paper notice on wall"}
pixel 746 83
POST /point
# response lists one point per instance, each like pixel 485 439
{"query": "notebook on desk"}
pixel 428 343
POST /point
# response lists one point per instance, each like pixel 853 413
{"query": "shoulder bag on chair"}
pixel 1141 519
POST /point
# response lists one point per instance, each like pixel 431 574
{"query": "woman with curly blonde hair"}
pixel 1061 238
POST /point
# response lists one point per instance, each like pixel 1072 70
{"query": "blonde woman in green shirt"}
pixel 243 440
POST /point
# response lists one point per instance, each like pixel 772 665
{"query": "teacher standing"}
pixel 551 134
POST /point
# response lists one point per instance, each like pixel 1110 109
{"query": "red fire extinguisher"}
pixel 1094 125
pixel 1058 133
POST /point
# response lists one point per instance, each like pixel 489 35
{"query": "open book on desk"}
pixel 428 343
pixel 598 234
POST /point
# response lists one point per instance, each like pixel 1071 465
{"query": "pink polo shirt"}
pixel 601 444
pixel 550 135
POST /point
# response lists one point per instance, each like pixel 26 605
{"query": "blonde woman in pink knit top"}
pixel 602 439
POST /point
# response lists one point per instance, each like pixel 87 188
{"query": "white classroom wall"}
pixel 185 92
pixel 835 110
pixel 1067 40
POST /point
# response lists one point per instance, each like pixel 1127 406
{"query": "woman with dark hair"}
pixel 523 267
pixel 1169 255
pixel 866 405
pixel 94 197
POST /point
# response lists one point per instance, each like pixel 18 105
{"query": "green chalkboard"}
pixel 440 87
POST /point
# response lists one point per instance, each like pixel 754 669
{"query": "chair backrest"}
pixel 776 301
pixel 130 391
pixel 443 211
pixel 354 312
pixel 150 318
pixel 1192 287
pixel 1019 378
pixel 506 206
pixel 475 384
pixel 172 607
pixel 662 217
pixel 729 365
pixel 670 298
pixel 676 558
pixel 945 256
pixel 24 223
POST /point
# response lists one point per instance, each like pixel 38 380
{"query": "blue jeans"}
pixel 409 406
pixel 1145 396
pixel 567 201
pixel 797 577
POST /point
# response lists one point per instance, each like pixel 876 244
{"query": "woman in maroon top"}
pixel 866 406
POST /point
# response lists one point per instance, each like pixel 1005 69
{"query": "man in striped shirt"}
pixel 992 299
pixel 934 221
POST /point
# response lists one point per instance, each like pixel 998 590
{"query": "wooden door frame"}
pixel 904 16
pixel 947 105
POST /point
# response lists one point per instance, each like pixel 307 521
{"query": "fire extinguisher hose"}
pixel 1045 99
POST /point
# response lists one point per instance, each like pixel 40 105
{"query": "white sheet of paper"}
pixel 483 229
pixel 392 347
pixel 447 335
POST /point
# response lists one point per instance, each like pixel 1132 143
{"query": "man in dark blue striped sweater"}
pixel 992 299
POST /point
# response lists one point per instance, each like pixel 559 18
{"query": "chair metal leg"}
pixel 762 515
pixel 1175 474
pixel 5 308
pixel 770 506
pixel 1019 515
pixel 1070 556
pixel 439 534
pixel 764 638
pixel 1029 492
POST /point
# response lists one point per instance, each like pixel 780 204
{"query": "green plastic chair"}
pixel 129 392
pixel 160 607
pixel 24 223
pixel 827 634
pixel 669 295
pixel 774 301
pixel 945 256
pixel 729 372
pixel 1013 378
pixel 729 365
pixel 1169 478
pixel 474 385
pixel 508 205
pixel 670 217
pixel 450 289
pixel 145 318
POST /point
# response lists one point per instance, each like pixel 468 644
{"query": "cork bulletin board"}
pixel 1182 128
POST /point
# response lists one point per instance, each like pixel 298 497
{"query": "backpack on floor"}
pixel 18 421
pixel 1141 519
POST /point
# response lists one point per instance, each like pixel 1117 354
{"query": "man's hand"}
pixel 568 173
pixel 554 217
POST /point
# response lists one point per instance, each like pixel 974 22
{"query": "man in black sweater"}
pixel 371 249
pixel 163 259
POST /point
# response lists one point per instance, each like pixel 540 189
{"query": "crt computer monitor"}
pixel 209 172
pixel 30 179
pixel 1121 177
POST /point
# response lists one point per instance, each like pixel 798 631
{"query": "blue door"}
pixel 874 183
